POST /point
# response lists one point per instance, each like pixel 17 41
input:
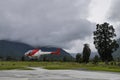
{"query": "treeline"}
pixel 48 58
pixel 105 43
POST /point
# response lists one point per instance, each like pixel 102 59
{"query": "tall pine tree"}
pixel 86 53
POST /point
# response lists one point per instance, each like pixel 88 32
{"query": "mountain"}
pixel 116 54
pixel 13 49
pixel 49 57
pixel 17 50
pixel 73 54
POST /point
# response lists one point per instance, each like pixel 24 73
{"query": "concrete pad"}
pixel 9 78
pixel 43 74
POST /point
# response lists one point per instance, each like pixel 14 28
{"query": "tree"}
pixel 8 58
pixel 64 58
pixel 22 58
pixel 104 41
pixel 44 58
pixel 96 59
pixel 78 58
pixel 86 53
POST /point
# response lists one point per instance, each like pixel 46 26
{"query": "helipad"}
pixel 43 74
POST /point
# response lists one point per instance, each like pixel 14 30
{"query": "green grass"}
pixel 8 65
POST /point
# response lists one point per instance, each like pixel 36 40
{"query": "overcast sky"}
pixel 67 24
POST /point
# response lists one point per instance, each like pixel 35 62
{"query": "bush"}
pixel 118 64
pixel 96 59
pixel 79 58
pixel 112 63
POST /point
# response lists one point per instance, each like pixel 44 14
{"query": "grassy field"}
pixel 8 65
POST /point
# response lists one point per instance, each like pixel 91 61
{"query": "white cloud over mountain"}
pixel 60 23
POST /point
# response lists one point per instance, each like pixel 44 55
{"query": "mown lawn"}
pixel 24 65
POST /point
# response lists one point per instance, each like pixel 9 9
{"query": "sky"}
pixel 67 24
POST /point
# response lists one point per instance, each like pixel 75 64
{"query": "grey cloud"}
pixel 114 11
pixel 44 22
pixel 114 15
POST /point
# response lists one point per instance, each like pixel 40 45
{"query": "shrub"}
pixel 79 58
pixel 96 59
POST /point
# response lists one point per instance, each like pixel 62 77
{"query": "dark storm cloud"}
pixel 44 22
